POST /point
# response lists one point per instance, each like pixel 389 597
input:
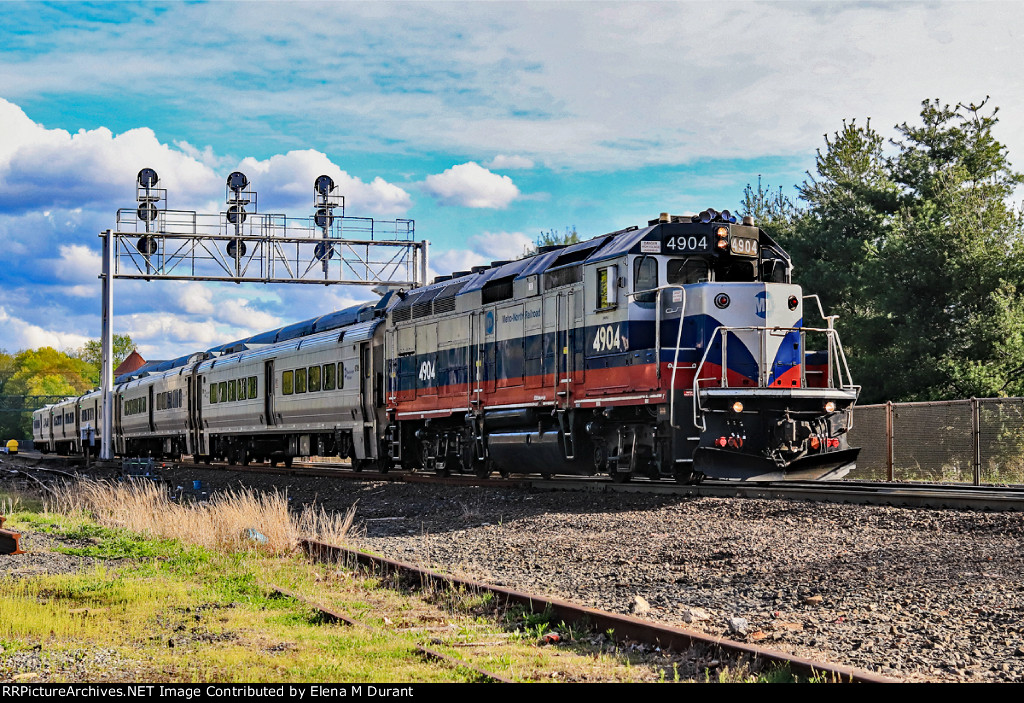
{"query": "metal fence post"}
pixel 976 438
pixel 888 440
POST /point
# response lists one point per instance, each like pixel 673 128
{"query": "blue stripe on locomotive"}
pixel 541 354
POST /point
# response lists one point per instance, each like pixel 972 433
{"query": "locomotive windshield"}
pixel 680 271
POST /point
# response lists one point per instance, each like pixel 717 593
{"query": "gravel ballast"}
pixel 916 594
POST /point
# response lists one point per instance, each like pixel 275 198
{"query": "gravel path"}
pixel 912 593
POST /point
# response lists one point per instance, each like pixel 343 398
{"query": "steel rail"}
pixel 624 627
pixel 896 495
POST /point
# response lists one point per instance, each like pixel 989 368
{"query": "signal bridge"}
pixel 240 243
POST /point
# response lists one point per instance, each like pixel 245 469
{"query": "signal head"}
pixel 324 184
pixel 147 178
pixel 237 181
pixel 323 217
pixel 236 214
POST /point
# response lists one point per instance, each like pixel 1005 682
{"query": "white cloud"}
pixel 481 250
pixel 240 312
pixel 471 185
pixel 42 167
pixel 286 180
pixel 79 264
pixel 174 328
pixel 20 334
pixel 195 298
pixel 500 245
pixel 501 161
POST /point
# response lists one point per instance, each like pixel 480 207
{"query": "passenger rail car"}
pixel 676 350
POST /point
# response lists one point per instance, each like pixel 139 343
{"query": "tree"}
pixel 771 209
pixel 918 250
pixel 952 256
pixel 92 352
pixel 47 371
pixel 553 238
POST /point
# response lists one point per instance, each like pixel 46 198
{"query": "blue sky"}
pixel 484 122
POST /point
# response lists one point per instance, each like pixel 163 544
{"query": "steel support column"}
pixel 107 369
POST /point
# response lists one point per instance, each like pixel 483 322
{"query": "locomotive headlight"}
pixel 830 407
pixel 721 232
pixel 723 243
pixel 737 407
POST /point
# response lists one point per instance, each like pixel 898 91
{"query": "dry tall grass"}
pixel 230 520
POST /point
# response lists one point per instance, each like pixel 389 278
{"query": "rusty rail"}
pixel 625 627
pixel 10 542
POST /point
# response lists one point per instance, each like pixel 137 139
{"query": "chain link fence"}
pixel 976 441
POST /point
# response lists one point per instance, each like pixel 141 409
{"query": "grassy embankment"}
pixel 183 594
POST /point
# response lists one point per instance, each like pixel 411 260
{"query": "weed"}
pixel 242 520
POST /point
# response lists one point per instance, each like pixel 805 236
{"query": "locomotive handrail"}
pixel 657 339
pixel 830 319
pixel 836 361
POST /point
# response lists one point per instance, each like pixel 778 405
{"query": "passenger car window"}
pixel 286 383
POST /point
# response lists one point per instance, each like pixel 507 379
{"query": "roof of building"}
pixel 132 363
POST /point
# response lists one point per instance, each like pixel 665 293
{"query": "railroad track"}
pixel 949 496
pixel 623 628
pixel 958 497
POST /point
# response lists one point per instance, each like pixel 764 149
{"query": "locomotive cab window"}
pixel 645 278
pixel 607 287
pixel 735 271
pixel 681 271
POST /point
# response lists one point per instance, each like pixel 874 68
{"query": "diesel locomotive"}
pixel 675 350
